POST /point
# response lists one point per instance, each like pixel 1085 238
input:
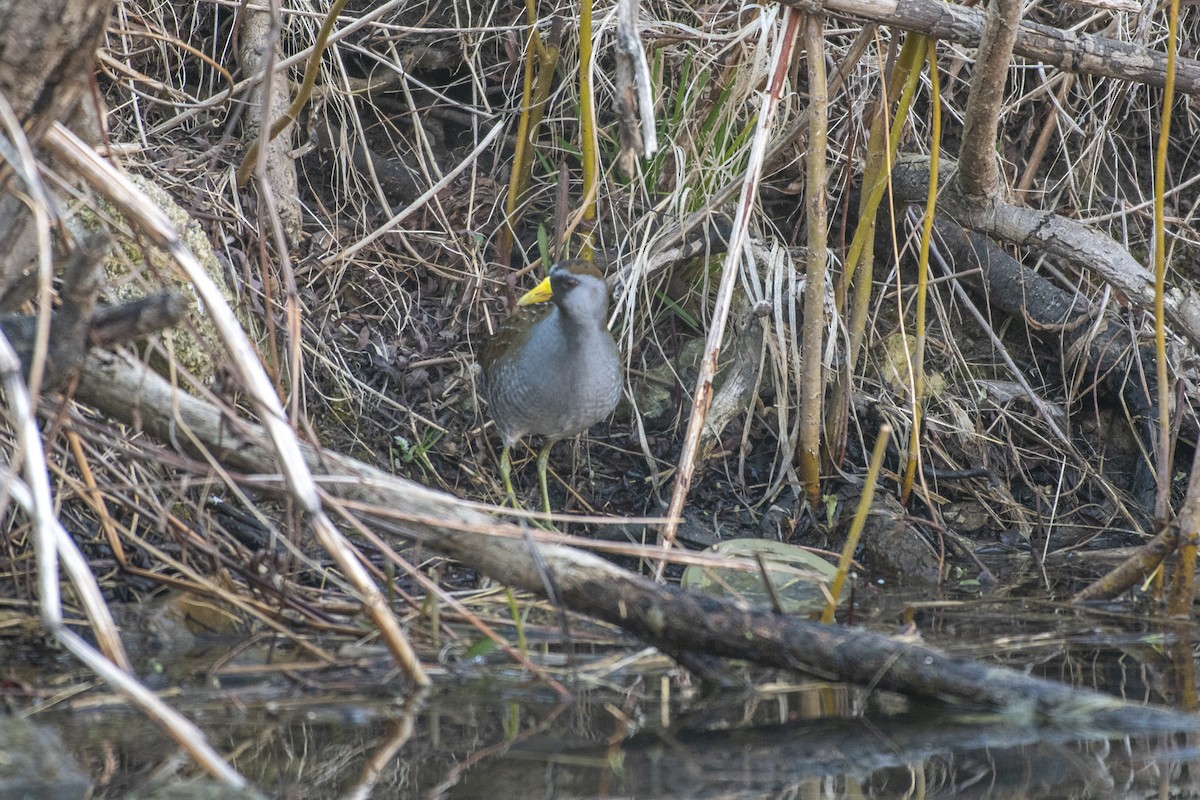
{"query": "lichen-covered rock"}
pixel 135 268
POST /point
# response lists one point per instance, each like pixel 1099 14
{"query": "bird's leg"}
pixel 543 460
pixel 510 496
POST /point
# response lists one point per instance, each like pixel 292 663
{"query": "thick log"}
pixel 676 621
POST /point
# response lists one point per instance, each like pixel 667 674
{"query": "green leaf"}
pixel 480 649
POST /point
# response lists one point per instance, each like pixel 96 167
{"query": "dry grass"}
pixel 386 337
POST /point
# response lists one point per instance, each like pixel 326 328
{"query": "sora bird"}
pixel 552 369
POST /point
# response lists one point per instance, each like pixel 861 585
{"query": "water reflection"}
pixel 813 740
pixel 640 728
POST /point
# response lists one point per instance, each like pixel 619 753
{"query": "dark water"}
pixel 638 727
pixel 820 741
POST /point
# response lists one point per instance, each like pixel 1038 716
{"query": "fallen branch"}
pixel 1070 51
pixel 677 622
pixel 71 337
pixel 1087 249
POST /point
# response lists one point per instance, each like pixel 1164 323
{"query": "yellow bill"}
pixel 538 294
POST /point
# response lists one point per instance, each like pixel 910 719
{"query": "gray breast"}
pixel 556 385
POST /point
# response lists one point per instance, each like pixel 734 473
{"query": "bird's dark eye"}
pixel 571 283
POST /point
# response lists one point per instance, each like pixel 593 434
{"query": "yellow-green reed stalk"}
pixel 918 377
pixel 875 181
pixel 535 91
pixel 900 87
pixel 860 521
pixel 587 128
pixel 1160 273
pixel 1183 590
pixel 518 621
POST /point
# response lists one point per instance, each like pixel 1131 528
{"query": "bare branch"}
pixel 978 172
